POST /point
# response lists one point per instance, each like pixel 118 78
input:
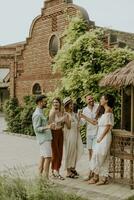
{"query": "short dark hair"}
pixel 40 98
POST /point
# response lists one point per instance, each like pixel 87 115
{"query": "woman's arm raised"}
pixel 92 121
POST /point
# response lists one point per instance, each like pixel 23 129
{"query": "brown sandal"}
pixel 102 181
pixel 74 172
pixel 94 180
pixel 71 176
pixel 91 174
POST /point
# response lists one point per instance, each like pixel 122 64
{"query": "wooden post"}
pixel 122 127
pixel 114 163
pixel 132 131
pixel 12 79
pixel 132 109
pixel 122 108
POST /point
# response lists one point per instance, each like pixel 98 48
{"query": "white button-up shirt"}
pixel 91 129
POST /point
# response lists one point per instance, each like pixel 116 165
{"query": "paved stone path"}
pixel 23 152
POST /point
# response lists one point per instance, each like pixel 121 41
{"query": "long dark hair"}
pixel 110 99
pixel 99 112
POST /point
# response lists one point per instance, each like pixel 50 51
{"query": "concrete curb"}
pixel 19 135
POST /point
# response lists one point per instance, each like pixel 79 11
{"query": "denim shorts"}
pixel 91 141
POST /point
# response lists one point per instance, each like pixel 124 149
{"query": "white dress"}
pixel 73 143
pixel 100 159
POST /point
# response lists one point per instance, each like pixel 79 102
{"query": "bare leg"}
pixel 68 171
pixel 41 165
pixel 46 167
pixel 90 153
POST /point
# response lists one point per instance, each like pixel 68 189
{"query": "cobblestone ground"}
pixel 22 152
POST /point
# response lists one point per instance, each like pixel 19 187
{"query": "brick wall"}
pixel 34 63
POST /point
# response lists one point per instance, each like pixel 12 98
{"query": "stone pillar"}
pixel 12 79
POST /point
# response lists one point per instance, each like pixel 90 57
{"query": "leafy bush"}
pixel 83 134
pixel 12 114
pixel 26 115
pixel 19 119
pixel 84 60
pixel 131 198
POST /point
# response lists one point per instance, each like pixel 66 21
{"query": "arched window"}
pixel 53 45
pixel 36 89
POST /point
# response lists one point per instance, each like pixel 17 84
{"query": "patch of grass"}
pixel 19 188
pixel 131 198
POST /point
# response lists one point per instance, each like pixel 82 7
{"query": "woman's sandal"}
pixel 93 180
pixel 74 172
pixel 72 175
pixel 102 181
pixel 57 176
pixel 54 175
pixel 60 177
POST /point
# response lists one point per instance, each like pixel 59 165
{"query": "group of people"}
pixel 62 128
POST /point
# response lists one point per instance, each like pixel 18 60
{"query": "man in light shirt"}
pixel 91 132
pixel 43 135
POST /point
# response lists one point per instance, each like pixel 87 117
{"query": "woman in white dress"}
pixel 99 164
pixel 72 140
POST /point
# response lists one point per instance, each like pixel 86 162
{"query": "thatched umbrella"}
pixel 122 78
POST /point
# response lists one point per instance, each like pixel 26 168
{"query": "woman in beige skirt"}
pixel 72 140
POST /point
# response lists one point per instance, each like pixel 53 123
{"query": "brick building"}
pixel 29 62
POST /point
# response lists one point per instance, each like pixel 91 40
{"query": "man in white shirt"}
pixel 91 132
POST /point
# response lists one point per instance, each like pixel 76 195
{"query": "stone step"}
pixel 110 191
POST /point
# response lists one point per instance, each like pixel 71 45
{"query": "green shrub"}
pixel 12 112
pixel 84 60
pixel 83 134
pixel 131 198
pixel 19 119
pixel 26 115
